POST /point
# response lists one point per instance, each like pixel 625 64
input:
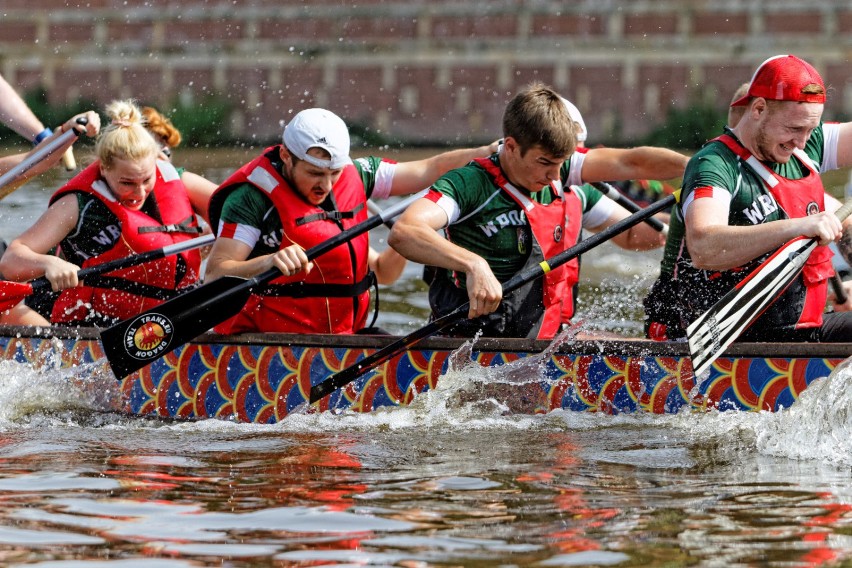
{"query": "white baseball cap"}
pixel 318 128
pixel 578 118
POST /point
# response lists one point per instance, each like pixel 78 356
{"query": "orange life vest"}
pixel 555 227
pixel 334 297
pixel 797 198
pixel 130 291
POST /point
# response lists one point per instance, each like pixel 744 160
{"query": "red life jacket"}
pixel 555 227
pixel 797 198
pixel 130 291
pixel 335 296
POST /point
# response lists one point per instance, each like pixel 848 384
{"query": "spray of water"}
pixel 45 387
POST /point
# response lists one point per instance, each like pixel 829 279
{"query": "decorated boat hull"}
pixel 263 378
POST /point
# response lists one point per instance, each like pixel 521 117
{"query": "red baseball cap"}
pixel 784 78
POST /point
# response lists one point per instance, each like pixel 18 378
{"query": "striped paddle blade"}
pixel 719 326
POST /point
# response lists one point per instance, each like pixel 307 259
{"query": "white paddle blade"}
pixel 710 334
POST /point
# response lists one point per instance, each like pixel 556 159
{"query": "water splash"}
pixel 468 396
pixel 818 425
pixel 45 387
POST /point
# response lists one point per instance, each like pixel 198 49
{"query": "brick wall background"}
pixel 419 70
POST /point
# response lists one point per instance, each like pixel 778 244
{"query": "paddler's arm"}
pixel 230 257
pixel 414 236
pixel 27 256
pixel 411 177
pixel 643 162
pixel 715 245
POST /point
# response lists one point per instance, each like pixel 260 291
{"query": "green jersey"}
pixel 715 170
pixel 487 221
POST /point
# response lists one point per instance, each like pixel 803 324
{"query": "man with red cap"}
pixel 748 192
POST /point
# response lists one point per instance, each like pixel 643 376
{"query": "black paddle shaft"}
pixel 43 283
pixel 349 374
pixel 136 342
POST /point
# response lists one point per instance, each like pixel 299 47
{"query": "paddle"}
pixel 629 204
pixel 129 345
pixel 13 292
pixel 349 374
pixel 719 326
pixel 7 180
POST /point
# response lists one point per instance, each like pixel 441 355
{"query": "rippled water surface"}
pixel 449 481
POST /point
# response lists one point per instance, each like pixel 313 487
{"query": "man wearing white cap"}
pixel 294 196
pixel 747 193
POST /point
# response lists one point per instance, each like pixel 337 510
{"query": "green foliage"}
pixel 203 122
pixel 688 128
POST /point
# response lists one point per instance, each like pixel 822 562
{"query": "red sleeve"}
pixel 700 192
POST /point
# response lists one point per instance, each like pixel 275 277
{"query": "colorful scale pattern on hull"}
pixel 264 383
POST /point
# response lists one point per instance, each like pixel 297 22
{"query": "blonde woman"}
pixel 127 202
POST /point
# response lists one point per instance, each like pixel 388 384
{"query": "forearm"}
pixel 640 237
pixel 724 247
pixel 388 266
pixel 656 163
pixel 442 163
pixel 218 266
pixel 16 114
pixel 20 263
pixel 421 243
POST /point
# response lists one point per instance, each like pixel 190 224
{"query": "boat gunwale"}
pixel 626 347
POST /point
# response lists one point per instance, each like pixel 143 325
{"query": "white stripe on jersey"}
pixel 243 233
pixel 831 139
pixel 599 213
pixel 575 172
pixel 450 207
pixel 384 180
pixel 718 194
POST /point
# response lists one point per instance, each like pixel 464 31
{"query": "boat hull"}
pixel 263 378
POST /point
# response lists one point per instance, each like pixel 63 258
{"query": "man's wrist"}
pixel 39 138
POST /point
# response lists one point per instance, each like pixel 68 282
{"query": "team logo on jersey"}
pixel 148 336
pixel 557 233
pixel 812 208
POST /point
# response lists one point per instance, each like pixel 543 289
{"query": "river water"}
pixel 438 483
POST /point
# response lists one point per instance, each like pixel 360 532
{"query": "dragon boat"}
pixel 264 377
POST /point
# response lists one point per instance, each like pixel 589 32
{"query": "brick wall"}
pixel 419 70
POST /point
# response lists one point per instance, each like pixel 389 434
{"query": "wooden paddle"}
pixel 13 292
pixel 719 326
pixel 629 204
pixel 129 345
pixel 349 374
pixel 10 181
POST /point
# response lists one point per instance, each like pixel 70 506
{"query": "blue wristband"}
pixel 41 136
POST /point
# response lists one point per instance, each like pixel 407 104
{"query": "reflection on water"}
pixel 455 479
pixel 444 481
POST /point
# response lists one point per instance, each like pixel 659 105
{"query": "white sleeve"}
pixel 599 213
pixel 831 138
pixel 718 193
pixel 450 207
pixel 575 171
pixel 384 180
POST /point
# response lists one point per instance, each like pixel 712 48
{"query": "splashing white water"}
pixel 468 396
pixel 45 387
pixel 818 425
